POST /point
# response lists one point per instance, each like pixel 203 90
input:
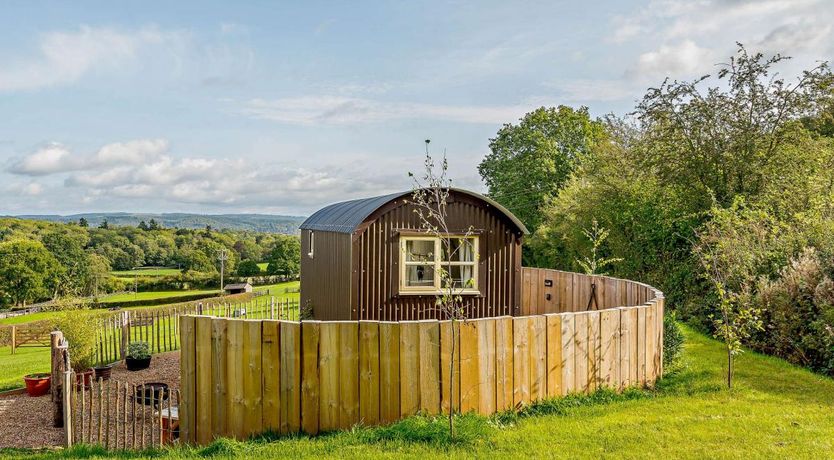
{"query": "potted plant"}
pixel 102 371
pixel 79 327
pixel 37 384
pixel 138 356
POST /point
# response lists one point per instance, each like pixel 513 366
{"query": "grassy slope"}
pixel 152 295
pixel 776 411
pixel 146 272
pixel 26 360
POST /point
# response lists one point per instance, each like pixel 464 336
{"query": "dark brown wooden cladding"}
pixel 376 263
pixel 326 280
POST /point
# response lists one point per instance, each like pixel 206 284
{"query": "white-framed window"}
pixel 423 257
pixel 312 241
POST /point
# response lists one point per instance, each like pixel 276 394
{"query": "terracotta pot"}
pixel 37 384
pixel 85 376
pixel 137 364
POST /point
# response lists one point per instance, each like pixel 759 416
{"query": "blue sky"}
pixel 282 107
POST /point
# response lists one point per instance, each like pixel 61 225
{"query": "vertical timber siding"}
pixel 333 374
pixel 326 284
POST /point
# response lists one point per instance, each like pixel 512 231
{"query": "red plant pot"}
pixel 85 376
pixel 37 384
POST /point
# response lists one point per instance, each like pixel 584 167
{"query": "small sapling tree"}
pixel 430 197
pixel 594 264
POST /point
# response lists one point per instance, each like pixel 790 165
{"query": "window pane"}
pixel 462 250
pixel 419 250
pixel 463 276
pixel 419 276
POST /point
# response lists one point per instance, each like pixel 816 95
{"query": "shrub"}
pixel 672 340
pixel 78 325
pixel 138 350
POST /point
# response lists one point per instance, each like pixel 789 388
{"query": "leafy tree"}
pixel 285 257
pixel 82 222
pixel 531 161
pixel 104 224
pixel 28 271
pixel 143 226
pixel 154 225
pixel 248 268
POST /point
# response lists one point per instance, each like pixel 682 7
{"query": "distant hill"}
pixel 254 222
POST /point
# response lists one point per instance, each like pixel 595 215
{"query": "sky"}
pixel 283 107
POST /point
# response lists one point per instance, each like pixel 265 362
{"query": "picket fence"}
pixel 244 377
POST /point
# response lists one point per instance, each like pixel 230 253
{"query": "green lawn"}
pixel 263 266
pixel 775 411
pixel 153 295
pixel 145 272
pixel 26 360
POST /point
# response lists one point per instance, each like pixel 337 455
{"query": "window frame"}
pixel 438 263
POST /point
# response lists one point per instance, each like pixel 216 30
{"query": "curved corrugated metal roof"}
pixel 347 216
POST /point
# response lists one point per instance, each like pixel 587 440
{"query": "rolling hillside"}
pixel 253 222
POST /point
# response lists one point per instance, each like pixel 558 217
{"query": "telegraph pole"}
pixel 222 257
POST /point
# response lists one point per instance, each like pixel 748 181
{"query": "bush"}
pixel 138 350
pixel 672 340
pixel 79 327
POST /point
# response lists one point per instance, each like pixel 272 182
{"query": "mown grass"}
pixel 153 295
pixel 775 411
pixel 26 360
pixel 146 272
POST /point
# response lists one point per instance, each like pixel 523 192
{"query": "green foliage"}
pixel 531 161
pixel 285 257
pixel 592 264
pixel 79 327
pixel 248 268
pixel 28 272
pixel 138 350
pixel 672 340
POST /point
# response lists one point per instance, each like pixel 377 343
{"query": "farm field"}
pixel 145 272
pixel 153 295
pixel 776 411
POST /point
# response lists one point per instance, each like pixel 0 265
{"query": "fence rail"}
pixel 241 378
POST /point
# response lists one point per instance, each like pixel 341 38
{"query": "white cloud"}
pixel 56 158
pixel 683 58
pixel 64 57
pixel 309 110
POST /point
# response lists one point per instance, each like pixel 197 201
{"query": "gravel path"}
pixel 26 422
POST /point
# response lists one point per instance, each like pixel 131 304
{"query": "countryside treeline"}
pixel 44 260
pixel 719 191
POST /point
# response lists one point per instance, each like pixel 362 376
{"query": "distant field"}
pixel 153 295
pixel 145 272
pixel 280 289
pixel 263 266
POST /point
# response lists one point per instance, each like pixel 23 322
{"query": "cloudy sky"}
pixel 277 107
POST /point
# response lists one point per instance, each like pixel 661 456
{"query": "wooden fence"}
pixel 160 326
pixel 243 377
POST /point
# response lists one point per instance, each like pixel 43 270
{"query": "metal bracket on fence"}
pixel 593 298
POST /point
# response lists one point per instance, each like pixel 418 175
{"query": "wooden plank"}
pixel 310 337
pixel 369 373
pixel 188 379
pixel 204 405
pixel 594 349
pixel 409 368
pixel 469 394
pixel 568 336
pixel 329 376
pixel 271 368
pixel 450 377
pixel 538 357
pixel 651 344
pixel 430 367
pixel 290 338
pixel 486 366
pixel 661 311
pixel 610 348
pixel 504 363
pixel 235 424
pixel 521 362
pixel 626 332
pixel 218 376
pixel 554 355
pixel 389 372
pixel 582 353
pixel 641 345
pixel 348 374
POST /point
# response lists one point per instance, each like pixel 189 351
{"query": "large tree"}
pixel 530 161
pixel 28 271
pixel 285 257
